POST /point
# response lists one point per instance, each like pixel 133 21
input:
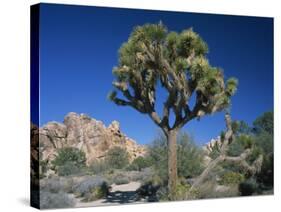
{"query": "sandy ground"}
pixel 119 194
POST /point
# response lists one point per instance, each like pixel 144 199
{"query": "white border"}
pixel 14 106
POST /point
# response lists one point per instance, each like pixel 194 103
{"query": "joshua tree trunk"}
pixel 172 162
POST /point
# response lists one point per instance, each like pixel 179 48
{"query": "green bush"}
pixel 153 190
pixel 96 193
pixel 158 152
pixel 69 161
pixel 182 192
pixel 263 128
pixel 189 157
pixel 230 178
pixel 140 163
pixel 264 123
pixel 249 187
pixel 117 158
pixel 265 177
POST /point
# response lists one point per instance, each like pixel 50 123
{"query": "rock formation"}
pixel 86 134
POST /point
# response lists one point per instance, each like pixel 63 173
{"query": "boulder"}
pixel 87 134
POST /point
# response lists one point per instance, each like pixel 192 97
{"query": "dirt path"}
pixel 119 194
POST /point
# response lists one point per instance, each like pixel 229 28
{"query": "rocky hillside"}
pixel 87 134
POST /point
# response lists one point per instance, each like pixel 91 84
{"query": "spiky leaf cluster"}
pixel 178 62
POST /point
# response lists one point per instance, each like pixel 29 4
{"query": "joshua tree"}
pixel 153 57
pixel 222 147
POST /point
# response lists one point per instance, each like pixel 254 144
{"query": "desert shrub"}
pixel 160 192
pixel 117 158
pixel 55 200
pixel 210 189
pixel 57 184
pixel 142 175
pixel 69 161
pixel 69 168
pixel 96 193
pixel 53 185
pixel 121 177
pixel 158 152
pixel 98 167
pixel 264 140
pixel 121 180
pixel 221 191
pixel 91 188
pixel 183 192
pixel 140 163
pixel 68 185
pixel 230 178
pixel 249 187
pixel 189 156
pixel 231 191
pixel 86 184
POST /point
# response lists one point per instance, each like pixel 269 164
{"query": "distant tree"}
pixel 153 57
pixel 263 129
pixel 264 123
pixel 241 127
pixel 117 158
pixel 70 154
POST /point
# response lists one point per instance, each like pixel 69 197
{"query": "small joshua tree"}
pixel 153 57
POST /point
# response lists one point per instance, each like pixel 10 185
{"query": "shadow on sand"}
pixel 122 197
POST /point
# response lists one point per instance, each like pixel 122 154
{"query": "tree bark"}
pixel 206 172
pixel 172 163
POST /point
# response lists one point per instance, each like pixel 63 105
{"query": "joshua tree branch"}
pixel 239 160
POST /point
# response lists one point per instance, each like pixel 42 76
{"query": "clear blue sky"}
pixel 78 48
